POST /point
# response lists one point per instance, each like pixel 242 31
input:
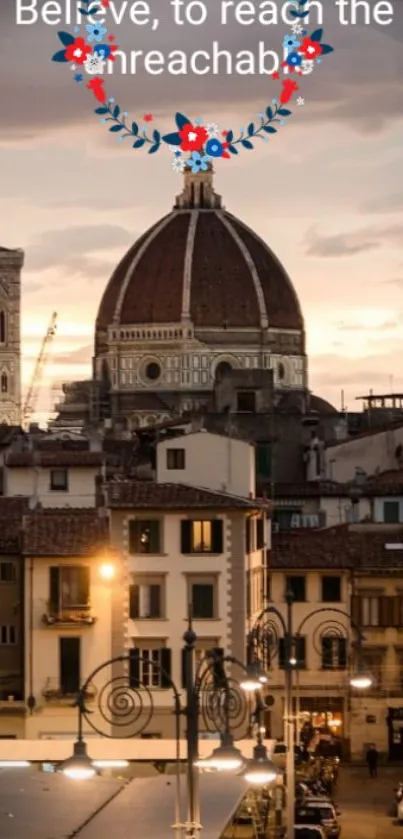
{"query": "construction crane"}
pixel 33 390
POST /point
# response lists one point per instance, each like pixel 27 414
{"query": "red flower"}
pixel 275 75
pixel 148 117
pixel 289 87
pixel 310 49
pixel 105 3
pixel 78 52
pixel 97 87
pixel 225 153
pixel 193 137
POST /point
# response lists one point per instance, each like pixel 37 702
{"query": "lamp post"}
pixel 210 693
pixel 260 640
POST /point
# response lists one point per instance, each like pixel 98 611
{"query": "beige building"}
pixel 370 452
pixel 187 545
pixel 11 262
pixel 68 614
pixel 54 478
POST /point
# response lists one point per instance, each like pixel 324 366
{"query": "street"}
pixel 365 803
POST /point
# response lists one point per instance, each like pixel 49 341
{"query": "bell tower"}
pixel 11 262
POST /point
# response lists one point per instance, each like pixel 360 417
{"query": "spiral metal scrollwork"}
pixel 327 629
pixel 265 638
pixel 223 706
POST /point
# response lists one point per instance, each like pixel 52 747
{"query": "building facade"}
pixel 11 262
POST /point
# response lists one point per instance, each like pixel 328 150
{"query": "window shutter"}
pixel 134 606
pixel 155 541
pixel 134 668
pixel 342 652
pixel 134 537
pixel 259 534
pixel 54 590
pixel 247 536
pixel 219 677
pixel 217 536
pixel 186 536
pixel 300 647
pixel 83 575
pixel 356 609
pixel 166 664
pixel 70 649
pixel 155 601
pixel 385 611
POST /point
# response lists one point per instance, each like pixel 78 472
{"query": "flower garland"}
pixel 194 145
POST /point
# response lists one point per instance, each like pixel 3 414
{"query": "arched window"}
pixel 4 383
pixel 2 328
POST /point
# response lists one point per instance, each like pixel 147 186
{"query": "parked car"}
pixel 309 831
pixel 319 811
pixel 279 756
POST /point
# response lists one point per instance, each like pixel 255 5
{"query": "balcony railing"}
pixel 68 616
pixel 53 692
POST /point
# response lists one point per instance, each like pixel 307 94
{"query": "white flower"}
pixel 300 101
pixel 212 129
pixel 94 64
pixel 296 29
pixel 307 67
pixel 178 164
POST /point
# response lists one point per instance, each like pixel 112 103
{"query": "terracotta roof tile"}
pixel 337 547
pixel 150 495
pixel 64 533
pixel 54 459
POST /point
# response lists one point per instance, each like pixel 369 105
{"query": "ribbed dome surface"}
pixel 200 264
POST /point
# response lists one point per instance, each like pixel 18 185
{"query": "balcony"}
pixel 53 692
pixel 68 616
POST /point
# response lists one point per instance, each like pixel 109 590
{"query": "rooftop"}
pixel 52 459
pixel 341 547
pixel 64 533
pixel 152 496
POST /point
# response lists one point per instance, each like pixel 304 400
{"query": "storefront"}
pixel 322 716
pixel 394 722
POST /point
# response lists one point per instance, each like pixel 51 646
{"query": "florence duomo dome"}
pixel 199 293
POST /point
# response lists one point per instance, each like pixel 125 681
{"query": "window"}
pixel 260 534
pixel 69 588
pixel 7 572
pixel 59 480
pixel 373 662
pixel 204 536
pixel 69 665
pixel 175 458
pixel 263 460
pixel 246 401
pixel 210 669
pixel 150 667
pixel 145 536
pixel 2 328
pixel 249 543
pixel 391 512
pixel 298 652
pixel 202 598
pixel 4 383
pixel 8 635
pixel 331 589
pixel 145 600
pixel 334 653
pixel 297 586
pixel 370 611
pixel 283 518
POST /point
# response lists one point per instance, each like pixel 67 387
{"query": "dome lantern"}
pixel 198 192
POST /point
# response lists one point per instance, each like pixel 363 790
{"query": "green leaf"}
pixel 269 129
pixel 84 11
pixel 156 137
pixel 284 112
pixel 101 111
pixel 181 121
pixel 232 149
pixel 116 111
pixel 138 144
pixel 172 139
pixel 66 38
pixel 116 128
pixel 326 49
pixel 135 129
pixel 269 113
pixel 251 129
pixel 317 35
pixel 154 148
pixel 247 144
pixel 229 137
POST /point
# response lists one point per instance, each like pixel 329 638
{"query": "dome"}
pixel 200 264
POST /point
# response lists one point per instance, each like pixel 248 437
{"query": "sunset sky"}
pixel 326 193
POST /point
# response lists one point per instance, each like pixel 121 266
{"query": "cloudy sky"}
pixel 326 193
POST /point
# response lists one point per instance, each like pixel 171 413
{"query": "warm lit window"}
pixel 202 536
pixel 145 536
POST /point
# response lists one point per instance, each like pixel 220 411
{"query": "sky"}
pixel 326 193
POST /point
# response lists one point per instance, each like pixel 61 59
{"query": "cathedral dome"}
pixel 200 264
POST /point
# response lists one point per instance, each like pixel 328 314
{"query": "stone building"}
pixel 11 262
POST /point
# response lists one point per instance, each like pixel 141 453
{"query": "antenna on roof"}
pixel 343 406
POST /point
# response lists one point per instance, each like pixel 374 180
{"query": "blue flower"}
pixel 177 154
pixel 103 50
pixel 294 59
pixel 96 32
pixel 197 163
pixel 290 42
pixel 214 148
pixel 78 77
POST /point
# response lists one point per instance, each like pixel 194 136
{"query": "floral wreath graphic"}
pixel 194 144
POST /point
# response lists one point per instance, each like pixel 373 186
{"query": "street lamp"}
pixel 259 640
pixel 260 771
pixel 122 704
